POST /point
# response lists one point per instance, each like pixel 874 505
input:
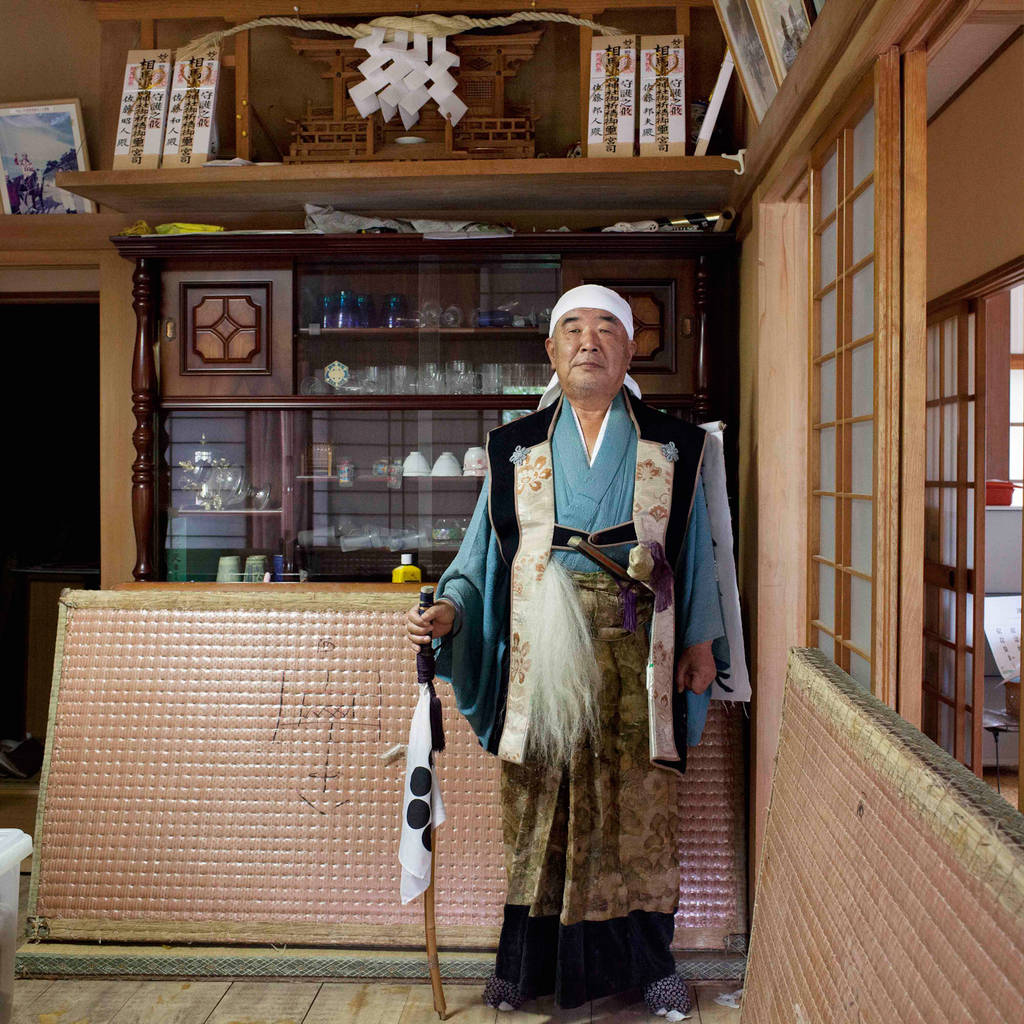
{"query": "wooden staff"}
pixel 425 674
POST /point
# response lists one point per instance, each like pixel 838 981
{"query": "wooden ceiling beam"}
pixel 237 12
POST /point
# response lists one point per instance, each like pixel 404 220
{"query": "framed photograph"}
pixel 784 26
pixel 36 141
pixel 752 64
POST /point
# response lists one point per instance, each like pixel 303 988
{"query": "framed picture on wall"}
pixel 784 26
pixel 36 141
pixel 752 64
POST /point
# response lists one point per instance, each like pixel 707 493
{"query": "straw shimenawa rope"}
pixel 428 24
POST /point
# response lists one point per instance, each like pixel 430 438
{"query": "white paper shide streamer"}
pixel 400 78
pixel 422 807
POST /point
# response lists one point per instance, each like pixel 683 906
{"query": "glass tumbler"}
pixel 490 378
pixel 329 311
pixel 403 379
pixel 365 313
pixel 374 380
pixel 348 309
pixel 458 378
pixel 431 379
pixel 394 310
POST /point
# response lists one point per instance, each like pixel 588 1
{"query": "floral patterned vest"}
pixel 521 505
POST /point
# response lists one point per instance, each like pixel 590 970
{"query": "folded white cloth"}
pixel 554 389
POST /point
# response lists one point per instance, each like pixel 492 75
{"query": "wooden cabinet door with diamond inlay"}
pixel 226 334
pixel 661 294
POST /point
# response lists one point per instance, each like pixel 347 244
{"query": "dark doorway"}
pixel 51 540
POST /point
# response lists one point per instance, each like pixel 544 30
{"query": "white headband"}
pixel 593 296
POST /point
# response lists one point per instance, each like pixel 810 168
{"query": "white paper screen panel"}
pixel 843 354
pixel 864 147
pixel 829 183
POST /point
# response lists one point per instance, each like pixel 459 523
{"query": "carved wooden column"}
pixel 701 364
pixel 143 408
pixel 243 109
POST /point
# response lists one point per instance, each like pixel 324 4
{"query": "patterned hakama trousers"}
pixel 591 848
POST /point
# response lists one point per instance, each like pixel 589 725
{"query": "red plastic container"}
pixel 999 492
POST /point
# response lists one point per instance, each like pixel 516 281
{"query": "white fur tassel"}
pixel 563 705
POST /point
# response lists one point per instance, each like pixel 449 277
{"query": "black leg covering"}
pixel 583 961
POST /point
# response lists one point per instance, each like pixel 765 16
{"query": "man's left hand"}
pixel 696 669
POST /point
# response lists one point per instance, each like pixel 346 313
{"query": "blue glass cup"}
pixel 394 310
pixel 329 314
pixel 365 313
pixel 348 309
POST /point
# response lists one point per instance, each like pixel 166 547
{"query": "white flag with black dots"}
pixel 422 808
pixel 733 684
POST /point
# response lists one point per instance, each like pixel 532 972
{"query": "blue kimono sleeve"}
pixel 699 607
pixel 473 657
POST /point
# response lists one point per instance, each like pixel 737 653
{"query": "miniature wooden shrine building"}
pixel 492 127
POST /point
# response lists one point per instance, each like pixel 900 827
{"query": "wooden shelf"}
pixel 644 186
pixel 490 333
pixel 226 511
pixel 382 481
pixel 360 403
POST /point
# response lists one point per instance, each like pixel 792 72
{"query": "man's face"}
pixel 590 352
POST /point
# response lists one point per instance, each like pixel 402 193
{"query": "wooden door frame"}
pixel 961 302
pixel 779 235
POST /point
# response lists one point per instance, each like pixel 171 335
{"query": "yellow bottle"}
pixel 406 572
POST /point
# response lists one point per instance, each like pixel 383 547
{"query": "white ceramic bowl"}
pixel 415 465
pixel 446 465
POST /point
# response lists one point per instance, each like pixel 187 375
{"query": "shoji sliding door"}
pixel 954 569
pixel 843 352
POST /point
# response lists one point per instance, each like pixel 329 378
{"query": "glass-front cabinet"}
pixel 428 328
pixel 313 407
pixel 339 494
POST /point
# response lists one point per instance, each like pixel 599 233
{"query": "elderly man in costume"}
pixel 579 626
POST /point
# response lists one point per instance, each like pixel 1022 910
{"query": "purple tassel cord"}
pixel 661 576
pixel 627 598
pixel 660 582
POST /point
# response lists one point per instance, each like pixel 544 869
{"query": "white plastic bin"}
pixel 15 846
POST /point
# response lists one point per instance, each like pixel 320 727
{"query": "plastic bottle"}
pixel 406 572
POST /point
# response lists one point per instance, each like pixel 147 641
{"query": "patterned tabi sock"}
pixel 669 997
pixel 502 995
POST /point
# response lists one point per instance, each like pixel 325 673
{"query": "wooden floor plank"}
pixel 375 1002
pixel 624 1007
pixel 172 1002
pixel 74 999
pixel 27 991
pixel 543 1010
pixel 310 1002
pixel 265 1002
pixel 464 1004
pixel 712 1012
